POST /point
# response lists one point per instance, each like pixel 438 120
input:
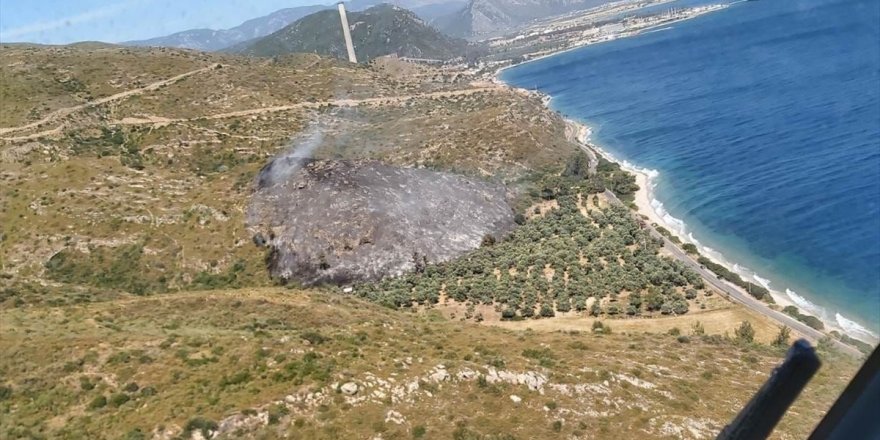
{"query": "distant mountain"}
pixel 380 30
pixel 486 18
pixel 214 40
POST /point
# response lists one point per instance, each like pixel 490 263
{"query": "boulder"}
pixel 349 388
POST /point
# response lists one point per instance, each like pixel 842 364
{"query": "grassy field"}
pixel 153 364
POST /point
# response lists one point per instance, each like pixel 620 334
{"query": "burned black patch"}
pixel 345 221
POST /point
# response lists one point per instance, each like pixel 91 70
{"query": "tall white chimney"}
pixel 347 33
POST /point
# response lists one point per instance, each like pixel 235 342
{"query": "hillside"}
pixel 135 300
pixel 111 184
pixel 266 363
pixel 378 31
pixel 488 18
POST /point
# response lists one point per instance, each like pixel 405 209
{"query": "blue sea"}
pixel 762 124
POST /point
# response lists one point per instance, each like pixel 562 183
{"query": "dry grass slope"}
pixel 153 177
pixel 162 361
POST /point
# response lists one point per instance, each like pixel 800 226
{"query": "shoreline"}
pixel 654 27
pixel 645 207
pixel 644 201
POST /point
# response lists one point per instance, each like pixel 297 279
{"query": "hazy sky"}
pixel 67 21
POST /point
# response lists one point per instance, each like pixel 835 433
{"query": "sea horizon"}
pixel 735 234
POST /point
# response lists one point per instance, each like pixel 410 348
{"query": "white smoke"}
pixel 288 163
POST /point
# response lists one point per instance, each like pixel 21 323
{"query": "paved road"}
pixel 736 294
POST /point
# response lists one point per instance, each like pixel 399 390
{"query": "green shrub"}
pixel 864 347
pixel 419 431
pixel 5 392
pixel 119 399
pixel 745 332
pixel 237 378
pixel 201 424
pixel 544 356
pixel 812 321
pixel 135 434
pixel 86 384
pixel 314 338
pixel 148 391
pixel 782 337
pixel 98 402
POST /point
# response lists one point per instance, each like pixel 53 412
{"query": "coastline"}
pixel 646 207
pixel 652 209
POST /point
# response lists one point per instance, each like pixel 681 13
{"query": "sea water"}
pixel 761 125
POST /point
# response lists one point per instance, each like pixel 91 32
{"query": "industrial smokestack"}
pixel 347 33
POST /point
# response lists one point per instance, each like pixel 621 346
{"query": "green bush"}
pixel 745 332
pixel 119 399
pixel 135 434
pixel 755 290
pixel 544 356
pixel 236 379
pixel 98 402
pixel 864 347
pixel 782 337
pixel 148 391
pixel 201 424
pixel 86 384
pixel 314 338
pixel 809 320
pixel 5 392
pixel 812 321
pixel 419 431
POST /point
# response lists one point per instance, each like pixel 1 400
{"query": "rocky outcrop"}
pixel 349 388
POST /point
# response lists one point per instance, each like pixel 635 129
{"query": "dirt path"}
pixel 121 95
pixel 160 120
pixel 384 100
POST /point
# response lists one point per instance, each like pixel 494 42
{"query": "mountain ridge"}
pixel 381 30
pixel 212 40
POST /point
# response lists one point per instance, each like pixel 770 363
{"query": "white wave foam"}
pixel 762 281
pixel 853 328
pixel 680 228
pixel 805 304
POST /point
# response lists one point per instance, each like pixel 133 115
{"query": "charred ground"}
pixel 343 221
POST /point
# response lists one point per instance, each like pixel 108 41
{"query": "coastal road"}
pixel 736 294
